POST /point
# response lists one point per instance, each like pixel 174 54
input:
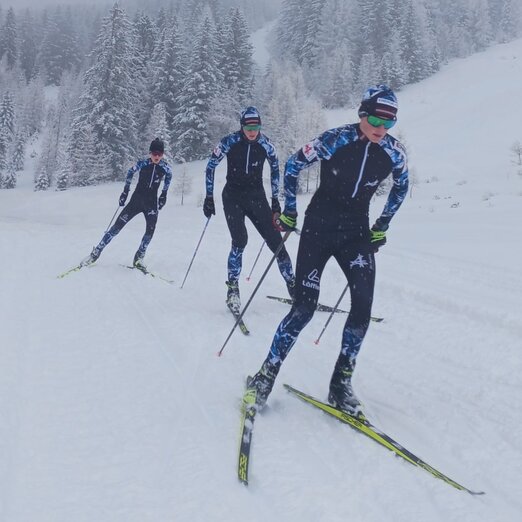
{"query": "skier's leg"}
pixel 128 212
pixel 311 260
pixel 151 218
pixel 260 214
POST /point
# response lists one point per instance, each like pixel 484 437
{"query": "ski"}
pixel 241 323
pixel 146 271
pixel 365 427
pixel 74 269
pixel 320 307
pixel 248 415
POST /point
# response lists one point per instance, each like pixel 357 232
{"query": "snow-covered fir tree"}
pixel 108 106
pixel 193 141
pixel 7 125
pixel 9 39
pixel 182 183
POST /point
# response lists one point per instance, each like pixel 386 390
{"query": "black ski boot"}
pixel 233 299
pixel 260 385
pixel 341 393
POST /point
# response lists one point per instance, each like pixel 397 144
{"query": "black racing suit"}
pixel 244 196
pixel 337 225
pixel 144 200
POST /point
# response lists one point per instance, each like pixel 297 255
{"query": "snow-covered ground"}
pixel 114 406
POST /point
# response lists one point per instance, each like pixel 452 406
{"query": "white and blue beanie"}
pixel 250 116
pixel 380 101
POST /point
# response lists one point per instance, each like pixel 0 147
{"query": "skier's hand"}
pixel 377 239
pixel 162 199
pixel 276 207
pixel 123 197
pixel 286 222
pixel 209 208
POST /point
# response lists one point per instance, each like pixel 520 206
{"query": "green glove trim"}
pixel 377 235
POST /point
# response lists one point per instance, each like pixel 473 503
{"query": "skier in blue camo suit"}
pixel 144 199
pixel 355 159
pixel 244 196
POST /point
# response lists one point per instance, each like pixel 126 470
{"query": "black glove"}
pixel 162 199
pixel 378 236
pixel 209 208
pixel 286 221
pixel 124 195
pixel 276 207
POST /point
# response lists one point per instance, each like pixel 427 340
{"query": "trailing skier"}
pixel 244 196
pixel 151 172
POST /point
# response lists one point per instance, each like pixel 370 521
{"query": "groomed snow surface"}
pixel 115 408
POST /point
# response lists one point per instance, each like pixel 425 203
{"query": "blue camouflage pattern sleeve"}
pixel 168 175
pixel 219 152
pixel 322 147
pixel 273 162
pixel 399 188
pixel 135 168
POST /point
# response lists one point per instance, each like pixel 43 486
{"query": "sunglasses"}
pixel 375 121
pixel 156 153
pixel 251 127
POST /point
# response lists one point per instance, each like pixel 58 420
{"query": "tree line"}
pixel 92 86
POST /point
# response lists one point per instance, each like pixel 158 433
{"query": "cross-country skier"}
pixel 144 199
pixel 355 159
pixel 244 197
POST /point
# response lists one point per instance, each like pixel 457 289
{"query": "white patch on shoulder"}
pixel 217 151
pixel 309 151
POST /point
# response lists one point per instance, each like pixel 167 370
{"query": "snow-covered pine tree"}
pixel 7 124
pixel 28 48
pixel 107 107
pixel 239 51
pixel 18 154
pixel 182 183
pixel 9 181
pixel 170 74
pixel 9 39
pixel 42 181
pixel 157 127
pixel 195 100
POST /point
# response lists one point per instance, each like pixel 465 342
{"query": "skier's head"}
pixel 156 149
pixel 250 123
pixel 157 145
pixel 378 112
pixel 379 101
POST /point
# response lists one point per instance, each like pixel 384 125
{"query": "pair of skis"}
pixel 362 425
pixel 144 270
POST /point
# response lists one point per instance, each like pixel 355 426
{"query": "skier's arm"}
pixel 130 173
pixel 397 194
pixel 217 155
pixel 274 168
pixel 168 177
pixel 322 147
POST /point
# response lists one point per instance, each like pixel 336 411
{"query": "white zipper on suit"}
pixel 152 175
pixel 248 158
pixel 362 169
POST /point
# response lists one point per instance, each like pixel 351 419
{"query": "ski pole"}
pixel 112 219
pixel 331 314
pixel 255 262
pixel 195 252
pixel 276 253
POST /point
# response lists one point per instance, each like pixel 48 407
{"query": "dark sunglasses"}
pixel 375 121
pixel 251 127
pixel 156 153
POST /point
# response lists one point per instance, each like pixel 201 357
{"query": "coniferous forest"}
pixel 93 83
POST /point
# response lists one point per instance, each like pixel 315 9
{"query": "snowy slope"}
pixel 114 406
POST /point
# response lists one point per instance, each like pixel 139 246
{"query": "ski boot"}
pixel 260 385
pixel 341 394
pixel 92 257
pixel 233 299
pixel 138 260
